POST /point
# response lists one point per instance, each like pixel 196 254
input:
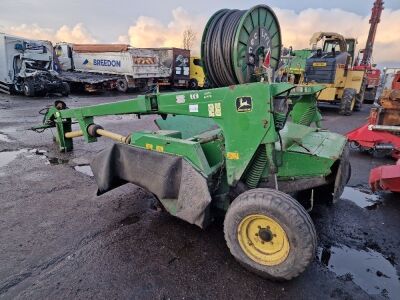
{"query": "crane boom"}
pixel 374 21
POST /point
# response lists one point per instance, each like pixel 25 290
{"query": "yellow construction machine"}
pixel 331 65
pixel 197 77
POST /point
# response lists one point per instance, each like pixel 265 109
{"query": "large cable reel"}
pixel 237 43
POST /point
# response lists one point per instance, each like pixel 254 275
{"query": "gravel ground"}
pixel 59 240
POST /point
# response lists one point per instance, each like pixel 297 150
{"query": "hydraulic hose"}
pixel 219 47
pixel 235 44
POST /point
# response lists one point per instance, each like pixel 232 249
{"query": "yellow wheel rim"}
pixel 263 240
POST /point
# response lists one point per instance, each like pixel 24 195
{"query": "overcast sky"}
pixel 109 19
pixel 140 22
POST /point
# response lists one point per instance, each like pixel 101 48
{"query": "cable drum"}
pixel 236 43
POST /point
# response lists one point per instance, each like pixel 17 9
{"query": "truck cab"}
pixel 63 53
pixel 197 76
pixel 27 66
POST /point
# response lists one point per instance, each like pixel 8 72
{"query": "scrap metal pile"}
pixel 381 136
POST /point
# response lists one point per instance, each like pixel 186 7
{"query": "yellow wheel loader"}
pixel 331 65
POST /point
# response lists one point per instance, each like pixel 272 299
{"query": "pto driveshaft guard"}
pixel 181 189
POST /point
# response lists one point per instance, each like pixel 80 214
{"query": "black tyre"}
pixel 193 84
pixel 66 89
pixel 359 102
pixel 348 102
pixel 122 85
pixel 369 95
pixel 28 89
pixel 360 97
pixel 332 192
pixel 41 93
pixel 143 86
pixel 270 234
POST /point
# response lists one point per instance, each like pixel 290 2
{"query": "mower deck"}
pixel 385 178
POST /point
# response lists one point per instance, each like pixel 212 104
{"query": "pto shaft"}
pixel 96 130
pixel 114 136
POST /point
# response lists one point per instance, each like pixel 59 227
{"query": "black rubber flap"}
pixel 171 178
pixel 343 174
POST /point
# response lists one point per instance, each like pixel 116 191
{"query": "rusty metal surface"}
pixel 89 78
pixel 396 81
pixel 93 48
pixel 389 111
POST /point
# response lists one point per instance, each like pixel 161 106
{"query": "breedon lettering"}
pixel 107 63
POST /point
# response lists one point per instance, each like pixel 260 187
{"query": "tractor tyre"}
pixel 41 93
pixel 143 86
pixel 348 102
pixel 270 234
pixel 66 89
pixel 359 102
pixel 122 85
pixel 331 193
pixel 193 84
pixel 29 89
pixel 360 97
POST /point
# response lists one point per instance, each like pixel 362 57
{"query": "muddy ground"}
pixel 59 240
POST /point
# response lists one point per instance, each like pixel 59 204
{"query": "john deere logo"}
pixel 244 104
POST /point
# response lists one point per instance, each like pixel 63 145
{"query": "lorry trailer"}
pixel 130 67
pixel 177 62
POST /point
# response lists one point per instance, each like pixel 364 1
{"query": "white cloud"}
pixel 75 34
pixel 150 32
pixel 297 29
pixel 32 31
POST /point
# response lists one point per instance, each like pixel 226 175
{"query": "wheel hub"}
pixel 265 235
pixel 263 240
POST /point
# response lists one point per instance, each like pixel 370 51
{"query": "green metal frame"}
pixel 240 135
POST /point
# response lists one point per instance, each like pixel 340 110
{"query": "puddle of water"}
pixel 360 198
pixel 56 161
pixel 48 160
pixel 8 156
pixel 84 170
pixel 368 269
pixel 5 138
pixel 38 151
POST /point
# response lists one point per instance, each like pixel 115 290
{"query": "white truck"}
pixel 131 67
pixel 26 66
